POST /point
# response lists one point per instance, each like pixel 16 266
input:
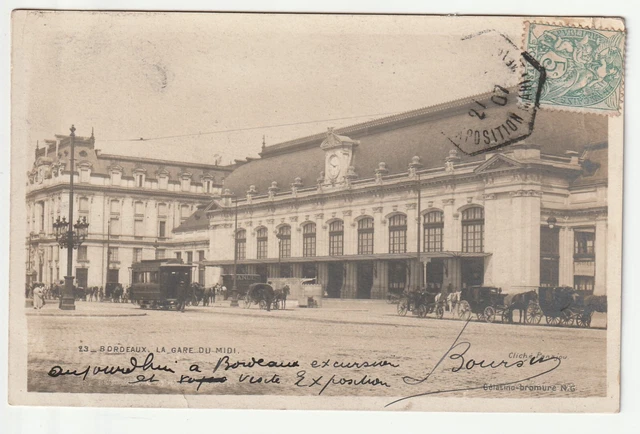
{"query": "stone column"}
pixel 492 233
pixel 600 287
pixel 525 245
pixel 380 229
pixel 323 274
pixel 449 243
pixel 412 229
pixel 322 237
pixel 452 274
pixel 414 278
pixel 565 265
pixel 380 280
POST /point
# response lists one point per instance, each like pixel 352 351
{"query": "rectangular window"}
pixel 365 236
pixel 336 238
pixel 137 254
pixel 113 254
pixel 84 175
pixel 309 239
pixel 584 283
pixel 262 248
pixel 179 255
pixel 160 253
pixel 114 226
pixel 433 238
pixel 284 241
pixel 584 243
pixel 189 257
pixel 200 256
pixel 162 209
pixel 162 229
pixel 139 208
pixel 138 228
pixel 241 248
pixel 82 253
pixel 472 237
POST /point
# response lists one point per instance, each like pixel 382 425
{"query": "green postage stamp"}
pixel 584 66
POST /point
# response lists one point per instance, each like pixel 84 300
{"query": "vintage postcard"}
pixel 289 211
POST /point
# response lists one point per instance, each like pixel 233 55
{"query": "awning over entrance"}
pixel 342 258
pixel 426 256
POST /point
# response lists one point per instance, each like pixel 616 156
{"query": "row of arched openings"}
pixel 472 220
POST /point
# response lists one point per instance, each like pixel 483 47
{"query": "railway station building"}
pixel 383 205
pixel 132 205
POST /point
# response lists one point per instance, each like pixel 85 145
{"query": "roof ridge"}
pixel 375 122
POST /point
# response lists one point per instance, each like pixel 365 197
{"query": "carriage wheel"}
pixel 533 314
pixel 584 319
pixel 552 320
pixel 247 302
pixel 421 311
pixel 263 304
pixel 439 311
pixel 507 316
pixel 403 306
pixel 275 305
pixel 464 310
pixel 489 313
pixel 567 318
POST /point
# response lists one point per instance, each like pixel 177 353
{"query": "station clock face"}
pixel 334 166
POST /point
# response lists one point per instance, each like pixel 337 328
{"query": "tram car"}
pixel 155 282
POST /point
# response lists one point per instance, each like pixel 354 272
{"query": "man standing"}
pixel 182 295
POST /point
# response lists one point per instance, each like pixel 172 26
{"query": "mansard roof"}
pixel 396 139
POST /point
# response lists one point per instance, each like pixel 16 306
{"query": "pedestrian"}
pixel 224 292
pixel 182 295
pixel 38 298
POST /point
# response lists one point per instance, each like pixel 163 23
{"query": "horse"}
pixel 206 296
pixel 521 303
pixel 280 297
pixel 597 303
pixel 261 292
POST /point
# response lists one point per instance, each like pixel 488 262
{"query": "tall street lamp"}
pixel 234 289
pixel 70 236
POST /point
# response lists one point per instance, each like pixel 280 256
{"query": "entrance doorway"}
pixel 365 279
pixel 113 276
pixel 435 274
pixel 397 276
pixel 82 275
pixel 472 272
pixel 336 278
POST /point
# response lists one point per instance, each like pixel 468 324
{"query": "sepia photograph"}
pixel 319 212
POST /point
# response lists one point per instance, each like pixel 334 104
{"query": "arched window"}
pixel 365 236
pixel 284 241
pixel 241 244
pixel 398 234
pixel 263 239
pixel 473 230
pixel 309 239
pixel 336 238
pixel 433 228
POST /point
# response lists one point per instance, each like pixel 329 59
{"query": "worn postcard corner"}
pixel 285 211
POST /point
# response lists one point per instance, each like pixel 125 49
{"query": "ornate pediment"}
pixel 498 163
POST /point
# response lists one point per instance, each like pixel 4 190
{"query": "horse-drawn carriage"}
pixel 562 305
pixel 421 303
pixel 487 302
pixel 261 294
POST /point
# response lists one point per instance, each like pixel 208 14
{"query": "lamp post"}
pixel 234 288
pixel 279 237
pixel 69 238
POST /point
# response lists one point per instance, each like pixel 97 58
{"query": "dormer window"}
pixel 139 179
pixel 185 181
pixel 115 172
pixel 207 184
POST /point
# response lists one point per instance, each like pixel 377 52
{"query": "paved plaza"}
pixel 345 347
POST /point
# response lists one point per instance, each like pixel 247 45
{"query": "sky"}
pixel 182 81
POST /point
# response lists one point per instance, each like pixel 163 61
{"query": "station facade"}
pixel 132 205
pixel 377 207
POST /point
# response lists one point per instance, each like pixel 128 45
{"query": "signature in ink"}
pixel 457 352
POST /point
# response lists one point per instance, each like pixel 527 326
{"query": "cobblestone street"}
pixel 101 335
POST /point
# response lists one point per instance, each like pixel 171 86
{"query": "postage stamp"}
pixel 286 211
pixel 585 66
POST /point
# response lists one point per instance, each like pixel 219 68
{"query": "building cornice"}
pixel 114 190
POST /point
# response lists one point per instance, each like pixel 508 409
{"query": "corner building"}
pixel 376 207
pixel 132 205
